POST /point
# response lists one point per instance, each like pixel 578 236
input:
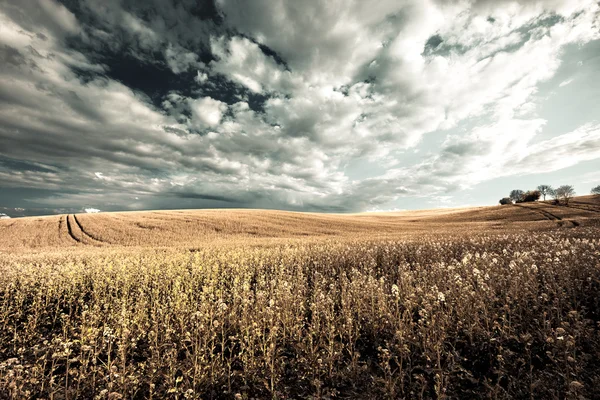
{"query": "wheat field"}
pixel 488 302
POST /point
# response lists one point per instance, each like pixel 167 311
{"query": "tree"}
pixel 545 190
pixel 516 195
pixel 565 192
pixel 596 190
pixel 531 195
pixel 505 200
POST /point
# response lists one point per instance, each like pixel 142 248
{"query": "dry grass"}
pixel 498 302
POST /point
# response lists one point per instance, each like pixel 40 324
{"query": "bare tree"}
pixel 545 190
pixel 516 195
pixel 596 190
pixel 565 192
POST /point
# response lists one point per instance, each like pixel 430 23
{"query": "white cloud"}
pixel 60 15
pixel 565 82
pixel 582 144
pixel 91 210
pixel 207 112
pixel 482 65
pixel 180 60
pixel 201 77
pixel 4 216
pixel 245 63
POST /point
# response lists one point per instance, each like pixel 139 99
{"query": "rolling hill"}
pixel 181 228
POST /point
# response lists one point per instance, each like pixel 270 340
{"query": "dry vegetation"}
pixel 495 302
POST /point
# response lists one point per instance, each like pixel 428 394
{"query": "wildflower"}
pixel 441 297
pixel 534 268
pixel 395 290
pixel 576 385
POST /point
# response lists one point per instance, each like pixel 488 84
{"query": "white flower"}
pixel 441 297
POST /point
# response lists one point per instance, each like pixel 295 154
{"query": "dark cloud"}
pixel 12 56
pixel 205 197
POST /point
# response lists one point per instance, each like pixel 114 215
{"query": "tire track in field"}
pixel 581 207
pixel 562 221
pixel 545 213
pixel 87 234
pixel 70 230
pixel 63 224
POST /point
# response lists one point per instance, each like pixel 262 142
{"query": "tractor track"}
pixel 556 217
pixel 548 215
pixel 581 207
pixel 70 230
pixel 87 234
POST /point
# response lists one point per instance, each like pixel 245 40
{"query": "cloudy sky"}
pixel 319 105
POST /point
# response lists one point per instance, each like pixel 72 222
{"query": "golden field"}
pixel 487 302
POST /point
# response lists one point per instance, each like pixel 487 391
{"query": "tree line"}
pixel 561 194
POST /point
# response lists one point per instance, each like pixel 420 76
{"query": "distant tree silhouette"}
pixel 505 200
pixel 531 195
pixel 516 195
pixel 596 190
pixel 565 192
pixel 545 190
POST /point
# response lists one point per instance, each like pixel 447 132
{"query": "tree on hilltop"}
pixel 516 195
pixel 545 190
pixel 531 195
pixel 596 190
pixel 565 193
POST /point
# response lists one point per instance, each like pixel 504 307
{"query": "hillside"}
pixel 482 302
pixel 181 228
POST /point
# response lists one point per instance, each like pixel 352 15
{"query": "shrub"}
pixel 533 195
pixel 505 200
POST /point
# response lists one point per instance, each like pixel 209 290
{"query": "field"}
pixel 488 302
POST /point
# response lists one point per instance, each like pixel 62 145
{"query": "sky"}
pixel 316 105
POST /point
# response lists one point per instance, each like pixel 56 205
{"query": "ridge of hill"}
pixel 175 228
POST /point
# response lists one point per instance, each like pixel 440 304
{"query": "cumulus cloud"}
pixel 91 210
pixel 245 63
pixel 207 112
pixel 263 104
